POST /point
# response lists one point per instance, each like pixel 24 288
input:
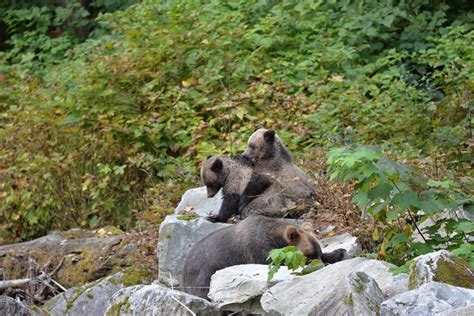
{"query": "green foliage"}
pixel 31 27
pixel 160 86
pixel 399 200
pixel 288 256
pixel 42 33
pixel 293 259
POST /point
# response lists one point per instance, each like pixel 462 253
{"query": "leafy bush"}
pixel 293 259
pixel 41 33
pixel 134 110
pixel 289 256
pixel 399 200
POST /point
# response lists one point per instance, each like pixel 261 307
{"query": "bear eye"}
pixel 252 146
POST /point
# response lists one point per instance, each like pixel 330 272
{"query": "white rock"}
pixel 89 299
pixel 312 292
pixel 366 294
pixel 455 215
pixel 156 300
pixel 432 298
pixel 175 240
pixel 440 266
pixel 197 201
pixel 327 230
pixel 232 286
pixel 463 311
pixel 345 241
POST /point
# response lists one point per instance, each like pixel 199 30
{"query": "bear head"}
pixel 304 239
pixel 214 175
pixel 262 145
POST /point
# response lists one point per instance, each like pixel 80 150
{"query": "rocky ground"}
pixel 64 260
pixel 121 278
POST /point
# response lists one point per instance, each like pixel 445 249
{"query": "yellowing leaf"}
pixel 101 232
pixel 376 234
pixel 337 78
pixel 189 82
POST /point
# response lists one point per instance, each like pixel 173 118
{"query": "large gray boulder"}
pixel 157 300
pixel 463 311
pixel 238 288
pixel 9 306
pixel 88 300
pixel 441 266
pixel 432 298
pixel 176 239
pixel 345 241
pixel 365 294
pixel 313 292
pixel 196 200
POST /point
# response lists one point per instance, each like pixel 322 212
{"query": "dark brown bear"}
pixel 239 183
pixel 248 241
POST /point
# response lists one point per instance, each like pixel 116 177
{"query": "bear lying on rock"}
pixel 248 241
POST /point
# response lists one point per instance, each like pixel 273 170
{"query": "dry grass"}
pixel 334 202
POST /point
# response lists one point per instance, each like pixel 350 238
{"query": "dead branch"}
pixel 18 283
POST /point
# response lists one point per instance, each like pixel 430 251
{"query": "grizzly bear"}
pixel 248 241
pixel 273 159
pixel 239 183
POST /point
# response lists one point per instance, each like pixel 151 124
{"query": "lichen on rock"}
pixel 440 266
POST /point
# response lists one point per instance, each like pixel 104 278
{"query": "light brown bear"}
pixel 248 241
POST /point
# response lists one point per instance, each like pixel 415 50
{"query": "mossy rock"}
pixel 84 256
pixel 440 266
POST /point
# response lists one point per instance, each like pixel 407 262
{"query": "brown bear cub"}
pixel 248 241
pixel 239 183
pixel 271 157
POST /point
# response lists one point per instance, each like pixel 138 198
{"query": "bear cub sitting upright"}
pixel 240 184
pixel 248 241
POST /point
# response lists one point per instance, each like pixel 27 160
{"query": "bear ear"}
pixel 292 235
pixel 209 157
pixel 269 136
pixel 217 166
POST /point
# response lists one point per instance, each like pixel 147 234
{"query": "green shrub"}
pixel 162 85
pixel 399 200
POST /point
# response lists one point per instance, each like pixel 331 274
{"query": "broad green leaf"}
pixel 376 208
pixel 381 191
pixel 392 215
pixel 465 226
pixel 405 200
pixel 361 199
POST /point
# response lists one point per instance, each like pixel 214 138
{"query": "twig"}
pixel 416 226
pixel 59 285
pixel 18 283
pixel 57 267
pixel 187 308
pixel 411 216
pixel 171 280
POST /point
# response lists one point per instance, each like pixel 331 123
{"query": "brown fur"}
pixel 248 241
pixel 291 185
pixel 234 176
pixel 240 184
